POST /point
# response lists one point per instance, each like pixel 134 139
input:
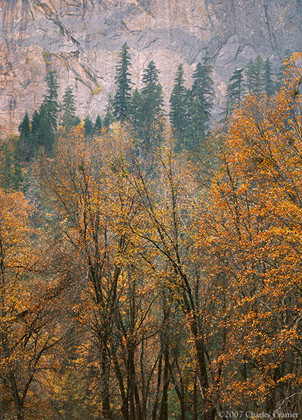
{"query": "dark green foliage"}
pixel 24 127
pixel 35 123
pixel 50 106
pixel 98 125
pixel 136 117
pixel 201 100
pixel 254 76
pixel 151 108
pixel 235 91
pixel 44 122
pixel 26 145
pixel 121 102
pixel 10 165
pixel 17 174
pixel 6 169
pixel 88 127
pixel 179 109
pixel 42 130
pixel 269 85
pixel 69 118
pixel 236 86
pixel 109 113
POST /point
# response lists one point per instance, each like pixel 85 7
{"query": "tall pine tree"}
pixel 235 91
pixel 179 108
pixel 151 108
pixel 44 123
pixel 269 85
pixel 98 125
pixel 201 103
pixel 254 76
pixel 50 106
pixel 69 118
pixel 88 127
pixel 136 117
pixel 121 101
pixel 109 117
pixel 25 146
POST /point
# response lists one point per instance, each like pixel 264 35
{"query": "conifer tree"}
pixel 269 85
pixel 35 123
pixel 136 117
pixel 98 125
pixel 151 107
pixel 50 106
pixel 201 103
pixel 44 123
pixel 235 91
pixel 122 96
pixel 17 174
pixel 25 146
pixel 88 127
pixel 24 127
pixel 6 167
pixel 69 118
pixel 254 76
pixel 179 108
pixel 109 117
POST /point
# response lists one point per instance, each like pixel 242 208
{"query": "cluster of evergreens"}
pixel 190 108
pixel 42 129
pixel 257 78
pixel 142 110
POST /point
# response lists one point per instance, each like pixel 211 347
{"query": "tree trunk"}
pixel 105 387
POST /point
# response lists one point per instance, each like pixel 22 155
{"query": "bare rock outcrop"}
pixel 81 39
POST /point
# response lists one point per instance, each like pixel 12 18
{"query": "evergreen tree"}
pixel 122 96
pixel 135 115
pixel 201 103
pixel 24 127
pixel 10 164
pixel 25 145
pixel 50 106
pixel 41 129
pixel 6 167
pixel 280 74
pixel 235 91
pixel 88 127
pixel 151 107
pixel 109 113
pixel 36 123
pixel 69 118
pixel 254 76
pixel 17 174
pixel 45 121
pixel 179 108
pixel 98 125
pixel 269 85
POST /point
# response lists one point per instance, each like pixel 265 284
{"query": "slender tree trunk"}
pixel 159 375
pixel 20 415
pixel 105 387
pixel 195 400
pixel 208 407
pixel 164 400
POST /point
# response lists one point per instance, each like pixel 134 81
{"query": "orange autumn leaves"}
pixel 251 229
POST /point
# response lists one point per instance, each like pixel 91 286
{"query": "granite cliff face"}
pixel 81 39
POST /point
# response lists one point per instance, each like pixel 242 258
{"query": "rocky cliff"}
pixel 81 39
